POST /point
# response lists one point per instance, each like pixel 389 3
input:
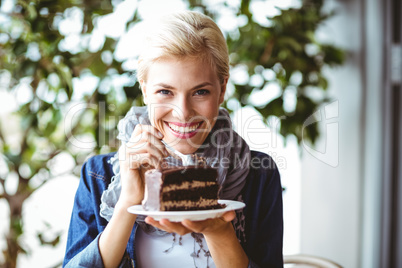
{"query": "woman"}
pixel 183 73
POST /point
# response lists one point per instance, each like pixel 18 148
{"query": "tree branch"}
pixel 24 144
pixel 51 156
pixel 4 194
pixel 267 51
pixel 2 138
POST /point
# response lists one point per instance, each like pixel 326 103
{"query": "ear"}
pixel 223 90
pixel 144 91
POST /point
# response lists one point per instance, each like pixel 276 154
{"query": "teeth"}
pixel 183 129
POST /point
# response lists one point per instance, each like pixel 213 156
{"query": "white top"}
pixel 150 251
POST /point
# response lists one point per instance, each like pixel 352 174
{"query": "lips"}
pixel 184 130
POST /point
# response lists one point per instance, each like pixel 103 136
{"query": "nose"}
pixel 184 108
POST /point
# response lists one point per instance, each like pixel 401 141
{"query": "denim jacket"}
pixel 262 195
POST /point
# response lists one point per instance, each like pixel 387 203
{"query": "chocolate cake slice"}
pixel 181 189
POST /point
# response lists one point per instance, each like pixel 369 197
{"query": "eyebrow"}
pixel 196 87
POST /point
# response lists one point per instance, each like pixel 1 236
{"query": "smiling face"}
pixel 183 98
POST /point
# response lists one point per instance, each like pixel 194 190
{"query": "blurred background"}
pixel 315 84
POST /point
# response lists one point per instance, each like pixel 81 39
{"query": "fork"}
pixel 187 159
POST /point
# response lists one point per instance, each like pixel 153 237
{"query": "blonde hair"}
pixel 185 34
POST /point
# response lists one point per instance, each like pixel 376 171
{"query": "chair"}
pixel 308 261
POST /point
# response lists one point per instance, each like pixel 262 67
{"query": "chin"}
pixel 185 146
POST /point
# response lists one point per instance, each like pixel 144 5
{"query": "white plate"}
pixel 194 215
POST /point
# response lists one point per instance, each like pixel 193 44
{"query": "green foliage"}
pixel 289 48
pixel 35 64
pixel 43 236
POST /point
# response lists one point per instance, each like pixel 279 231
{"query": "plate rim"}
pixel 138 210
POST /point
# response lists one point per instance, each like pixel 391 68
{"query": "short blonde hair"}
pixel 185 34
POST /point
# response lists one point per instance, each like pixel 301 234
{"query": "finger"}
pixel 154 149
pixel 196 226
pixel 144 139
pixel 155 136
pixel 156 156
pixel 229 216
pixel 156 224
pixel 176 227
pixel 209 224
pixel 145 153
pixel 140 128
pixel 145 132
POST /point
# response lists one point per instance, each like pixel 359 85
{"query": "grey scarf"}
pixel 223 149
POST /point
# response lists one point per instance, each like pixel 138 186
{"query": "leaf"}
pixel 49 241
pixel 20 48
pixel 132 92
pixel 245 7
pixel 332 55
pixel 32 14
pixel 28 68
pixel 273 108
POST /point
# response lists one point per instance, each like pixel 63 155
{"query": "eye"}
pixel 201 92
pixel 164 92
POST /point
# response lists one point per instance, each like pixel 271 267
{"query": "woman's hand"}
pixel 143 151
pixel 219 234
pixel 206 227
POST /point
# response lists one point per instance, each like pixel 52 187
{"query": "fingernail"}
pixel 160 135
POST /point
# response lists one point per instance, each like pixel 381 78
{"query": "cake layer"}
pixel 191 194
pixel 188 185
pixel 178 175
pixel 200 204
pixel 181 189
